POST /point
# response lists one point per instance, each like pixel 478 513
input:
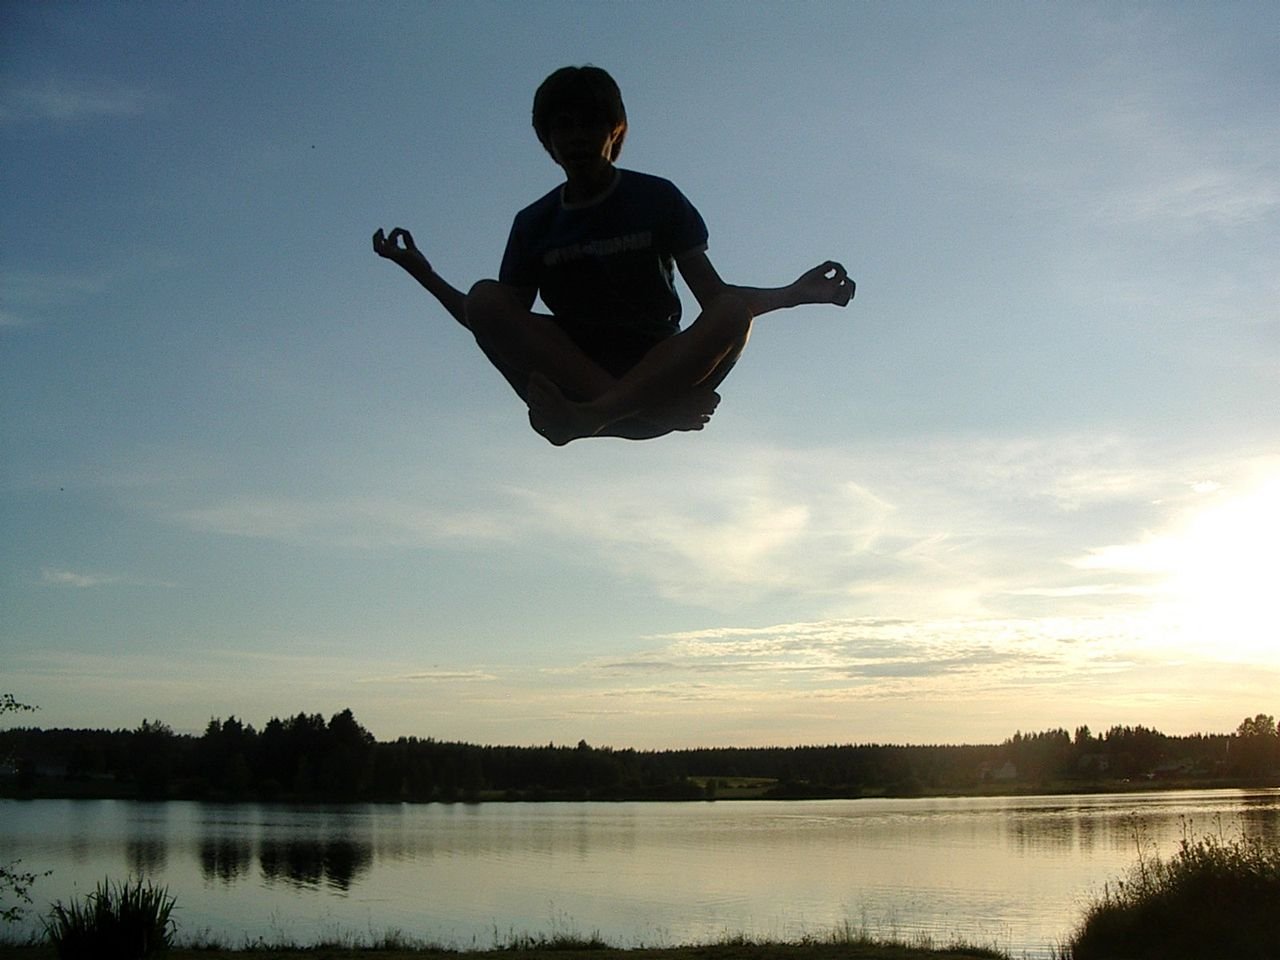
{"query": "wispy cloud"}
pixel 784 682
pixel 80 580
pixel 70 578
pixel 948 527
pixel 1135 138
pixel 357 522
pixel 1221 196
pixel 62 101
pixel 859 656
pixel 968 527
pixel 1172 159
pixel 435 676
pixel 27 296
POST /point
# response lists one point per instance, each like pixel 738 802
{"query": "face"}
pixel 582 144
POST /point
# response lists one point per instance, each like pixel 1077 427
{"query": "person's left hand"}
pixel 398 247
pixel 826 283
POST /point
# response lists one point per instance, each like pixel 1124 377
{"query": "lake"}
pixel 1006 872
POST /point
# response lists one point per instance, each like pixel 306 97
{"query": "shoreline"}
pixel 95 791
pixel 836 949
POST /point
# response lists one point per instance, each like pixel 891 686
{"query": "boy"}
pixel 610 359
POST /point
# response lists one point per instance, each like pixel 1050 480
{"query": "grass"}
pixel 715 951
pixel 1215 897
pixel 117 921
pixel 844 943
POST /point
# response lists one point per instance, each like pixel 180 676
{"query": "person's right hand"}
pixel 399 248
pixel 826 283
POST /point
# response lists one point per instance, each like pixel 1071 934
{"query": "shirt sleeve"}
pixel 688 231
pixel 518 266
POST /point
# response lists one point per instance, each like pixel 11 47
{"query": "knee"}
pixel 484 288
pixel 485 301
pixel 486 293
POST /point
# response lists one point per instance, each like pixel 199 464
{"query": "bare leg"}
pixel 519 343
pixel 694 361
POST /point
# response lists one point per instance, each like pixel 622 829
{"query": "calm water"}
pixel 1006 872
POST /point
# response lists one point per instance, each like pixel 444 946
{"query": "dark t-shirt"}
pixel 607 266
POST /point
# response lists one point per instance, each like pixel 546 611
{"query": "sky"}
pixel 1029 479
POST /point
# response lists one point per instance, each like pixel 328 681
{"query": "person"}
pixel 610 359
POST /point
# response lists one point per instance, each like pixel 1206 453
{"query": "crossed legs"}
pixel 672 387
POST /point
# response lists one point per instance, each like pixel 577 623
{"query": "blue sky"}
pixel 1030 478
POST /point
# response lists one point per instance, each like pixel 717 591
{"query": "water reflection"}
pixel 224 859
pixel 146 856
pixel 1258 819
pixel 1130 824
pixel 334 863
pixel 1087 834
pixel 637 873
pixel 310 863
pixel 328 848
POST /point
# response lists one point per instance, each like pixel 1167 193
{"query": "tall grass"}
pixel 1214 898
pixel 118 921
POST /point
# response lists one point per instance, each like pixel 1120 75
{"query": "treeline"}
pixel 307 758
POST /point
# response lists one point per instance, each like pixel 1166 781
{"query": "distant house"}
pixel 1094 763
pixel 51 769
pixel 999 774
pixel 1173 770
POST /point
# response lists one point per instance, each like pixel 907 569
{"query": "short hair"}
pixel 584 90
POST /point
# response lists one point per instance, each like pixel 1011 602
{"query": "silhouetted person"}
pixel 611 358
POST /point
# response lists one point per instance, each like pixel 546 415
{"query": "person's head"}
pixel 583 96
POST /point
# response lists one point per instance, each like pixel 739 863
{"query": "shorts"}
pixel 616 349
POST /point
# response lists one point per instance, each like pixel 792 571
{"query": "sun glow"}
pixel 1213 577
pixel 1225 574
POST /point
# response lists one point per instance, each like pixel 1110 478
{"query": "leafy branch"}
pixel 15 883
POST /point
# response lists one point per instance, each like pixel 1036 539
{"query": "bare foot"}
pixel 558 419
pixel 683 414
pixel 561 420
pixel 638 428
pixel 691 411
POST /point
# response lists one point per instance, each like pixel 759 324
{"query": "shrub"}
pixel 115 922
pixel 17 883
pixel 14 882
pixel 1213 898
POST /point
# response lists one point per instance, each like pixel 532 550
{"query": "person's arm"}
pixel 826 283
pixel 416 265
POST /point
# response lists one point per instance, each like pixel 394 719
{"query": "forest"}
pixel 308 758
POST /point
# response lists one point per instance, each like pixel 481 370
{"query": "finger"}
pixel 378 240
